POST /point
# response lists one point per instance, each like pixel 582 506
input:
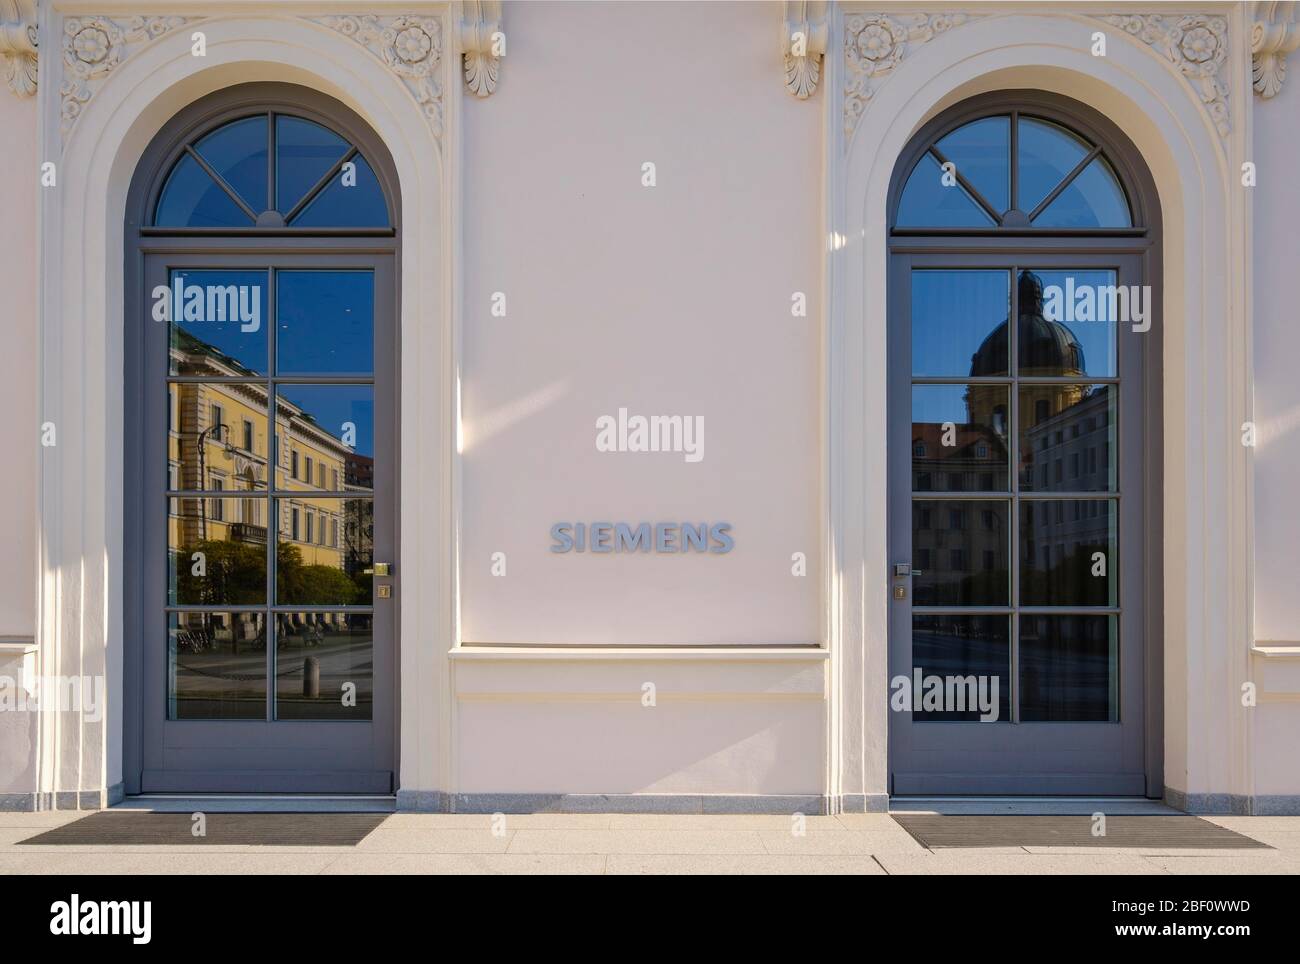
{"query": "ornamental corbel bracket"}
pixel 18 44
pixel 1271 39
pixel 483 45
pixel 804 35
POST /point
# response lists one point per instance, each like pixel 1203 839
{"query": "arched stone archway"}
pixel 1206 366
pixel 149 77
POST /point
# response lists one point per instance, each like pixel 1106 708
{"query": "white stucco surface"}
pixel 665 300
pixel 19 429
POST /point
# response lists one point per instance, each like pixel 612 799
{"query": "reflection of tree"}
pixel 234 574
pixel 297 583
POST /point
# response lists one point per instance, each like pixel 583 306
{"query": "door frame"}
pixel 1131 448
pixel 1146 243
pixel 228 246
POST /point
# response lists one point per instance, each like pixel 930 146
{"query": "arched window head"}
pixel 271 169
pixel 1016 170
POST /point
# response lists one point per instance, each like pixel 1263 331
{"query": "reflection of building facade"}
pixel 218 442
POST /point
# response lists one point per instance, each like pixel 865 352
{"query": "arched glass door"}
pixel 1020 330
pixel 261 340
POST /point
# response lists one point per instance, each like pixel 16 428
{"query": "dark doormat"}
pixel 229 829
pixel 1156 832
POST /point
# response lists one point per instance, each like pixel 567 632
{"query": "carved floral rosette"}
pixel 411 47
pixel 1196 44
pixel 94 46
pixel 874 44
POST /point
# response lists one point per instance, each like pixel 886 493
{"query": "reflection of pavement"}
pixel 215 684
pixel 345 659
pixel 1064 686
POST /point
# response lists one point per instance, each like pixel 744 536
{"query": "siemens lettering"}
pixel 643 537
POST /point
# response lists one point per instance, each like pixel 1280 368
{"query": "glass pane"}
pixel 325 322
pixel 237 151
pixel 216 437
pixel 1067 438
pixel 216 322
pixel 352 199
pixel 961 549
pixel 1068 322
pixel 192 199
pixel 1094 199
pixel 964 661
pixel 324 549
pixel 324 666
pixel 1069 668
pixel 216 551
pixel 928 203
pixel 327 437
pixel 1069 552
pixel 1048 152
pixel 216 666
pixel 304 153
pixel 981 151
pixel 959 322
pixel 959 438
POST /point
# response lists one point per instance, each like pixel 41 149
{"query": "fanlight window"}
pixel 1015 171
pixel 313 179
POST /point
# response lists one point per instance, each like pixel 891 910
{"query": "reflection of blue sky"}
pixel 246 347
pixel 940 403
pixel 1096 337
pixel 952 313
pixel 325 322
pixel 333 405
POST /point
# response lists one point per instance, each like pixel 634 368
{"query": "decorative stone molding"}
pixel 18 44
pixel 482 43
pixel 804 36
pixel 1271 39
pixel 94 46
pixel 1196 45
pixel 410 46
pixel 874 44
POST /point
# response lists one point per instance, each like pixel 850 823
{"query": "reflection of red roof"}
pixel 931 433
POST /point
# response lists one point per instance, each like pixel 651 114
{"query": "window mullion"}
pixel 221 183
pixel 321 184
pixel 272 202
pixel 969 188
pixel 1069 178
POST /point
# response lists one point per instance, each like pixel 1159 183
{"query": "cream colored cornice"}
pixel 410 46
pixel 875 44
pixel 94 46
pixel 18 44
pixel 1271 39
pixel 482 41
pixel 804 34
pixel 1196 45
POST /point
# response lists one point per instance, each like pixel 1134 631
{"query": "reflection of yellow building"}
pixel 218 442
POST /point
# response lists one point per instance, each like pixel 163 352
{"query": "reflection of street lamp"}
pixel 215 431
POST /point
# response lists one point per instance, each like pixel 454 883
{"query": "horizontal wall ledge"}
pixel 17 645
pixel 480 652
pixel 1276 649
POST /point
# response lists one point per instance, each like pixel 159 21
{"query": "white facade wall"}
pixel 1276 665
pixel 666 300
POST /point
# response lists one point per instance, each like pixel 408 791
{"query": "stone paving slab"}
pixel 419 843
pixel 740 864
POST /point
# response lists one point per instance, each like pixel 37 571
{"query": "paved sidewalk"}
pixel 411 843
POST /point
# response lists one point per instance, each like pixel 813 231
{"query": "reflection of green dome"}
pixel 1046 347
